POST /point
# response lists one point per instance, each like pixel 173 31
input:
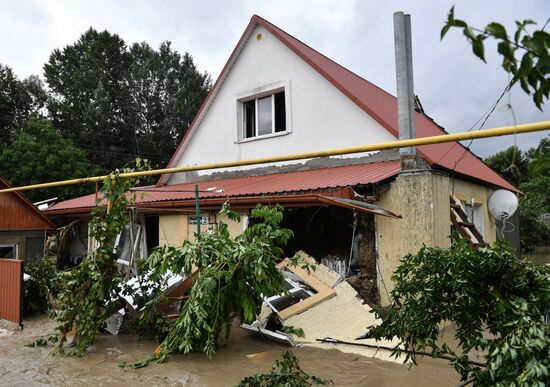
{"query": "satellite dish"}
pixel 503 204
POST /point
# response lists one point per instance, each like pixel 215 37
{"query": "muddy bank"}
pixel 22 366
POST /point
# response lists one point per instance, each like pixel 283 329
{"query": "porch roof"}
pixel 328 181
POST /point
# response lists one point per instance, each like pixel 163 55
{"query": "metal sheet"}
pixel 11 282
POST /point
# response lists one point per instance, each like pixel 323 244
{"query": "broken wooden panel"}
pixel 323 292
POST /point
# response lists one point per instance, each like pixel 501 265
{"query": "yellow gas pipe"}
pixel 494 132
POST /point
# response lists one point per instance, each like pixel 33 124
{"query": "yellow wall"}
pixel 235 228
pixel 422 199
pixel 173 229
pixel 465 191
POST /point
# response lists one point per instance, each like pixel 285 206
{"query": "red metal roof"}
pixel 376 102
pixel 272 184
pixel 17 213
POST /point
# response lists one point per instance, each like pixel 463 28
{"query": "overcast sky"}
pixel 455 87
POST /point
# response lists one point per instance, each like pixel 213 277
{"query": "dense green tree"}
pixel 38 154
pixel 166 92
pixel 89 95
pixel 539 164
pixel 19 102
pixel 119 102
pixel 511 163
pixel 534 202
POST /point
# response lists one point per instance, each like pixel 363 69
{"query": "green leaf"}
pixel 497 30
pixel 479 49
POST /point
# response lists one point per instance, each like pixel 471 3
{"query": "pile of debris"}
pixel 323 305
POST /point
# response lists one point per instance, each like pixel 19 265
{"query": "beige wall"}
pixel 173 229
pixel 422 199
pixel 235 228
pixel 465 191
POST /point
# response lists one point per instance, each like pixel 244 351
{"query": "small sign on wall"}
pixel 193 220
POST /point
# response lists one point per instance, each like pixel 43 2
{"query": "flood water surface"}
pixel 244 355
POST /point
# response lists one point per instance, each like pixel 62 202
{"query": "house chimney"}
pixel 405 88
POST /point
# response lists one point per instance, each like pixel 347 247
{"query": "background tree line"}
pixel 530 171
pixel 102 103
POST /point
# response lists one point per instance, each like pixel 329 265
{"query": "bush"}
pixel 478 290
pixel 40 287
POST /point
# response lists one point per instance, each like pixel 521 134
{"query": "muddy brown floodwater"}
pixel 23 366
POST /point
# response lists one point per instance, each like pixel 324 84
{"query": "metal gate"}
pixel 11 287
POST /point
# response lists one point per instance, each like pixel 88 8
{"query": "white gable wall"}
pixel 321 117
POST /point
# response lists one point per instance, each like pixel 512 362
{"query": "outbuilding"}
pixel 23 228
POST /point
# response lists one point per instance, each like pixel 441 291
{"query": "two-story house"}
pixel 359 213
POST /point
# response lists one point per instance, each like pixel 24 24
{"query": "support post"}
pixel 197 211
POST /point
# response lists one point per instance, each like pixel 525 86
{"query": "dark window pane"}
pixel 280 114
pixel 264 116
pixel 7 252
pixel 249 118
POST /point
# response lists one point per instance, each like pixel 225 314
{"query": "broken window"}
pixel 264 115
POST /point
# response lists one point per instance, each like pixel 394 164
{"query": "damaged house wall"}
pixel 337 238
pixel 422 199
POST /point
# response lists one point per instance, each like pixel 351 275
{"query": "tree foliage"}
pixel 484 289
pixel 534 202
pixel 40 287
pixel 234 274
pixel 38 154
pixel 20 101
pixel 90 290
pixel 511 163
pixel 284 372
pixel 530 172
pixel 525 55
pixel 121 102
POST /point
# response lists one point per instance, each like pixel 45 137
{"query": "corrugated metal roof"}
pixel 376 102
pixel 17 213
pixel 272 184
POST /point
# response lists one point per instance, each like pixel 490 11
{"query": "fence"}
pixel 11 287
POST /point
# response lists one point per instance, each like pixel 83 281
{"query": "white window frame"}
pixel 478 214
pixel 15 248
pixel 256 94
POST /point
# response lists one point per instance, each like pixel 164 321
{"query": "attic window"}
pixel 265 115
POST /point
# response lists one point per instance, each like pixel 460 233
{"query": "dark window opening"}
pixel 280 114
pixel 152 231
pixel 250 118
pixel 8 251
